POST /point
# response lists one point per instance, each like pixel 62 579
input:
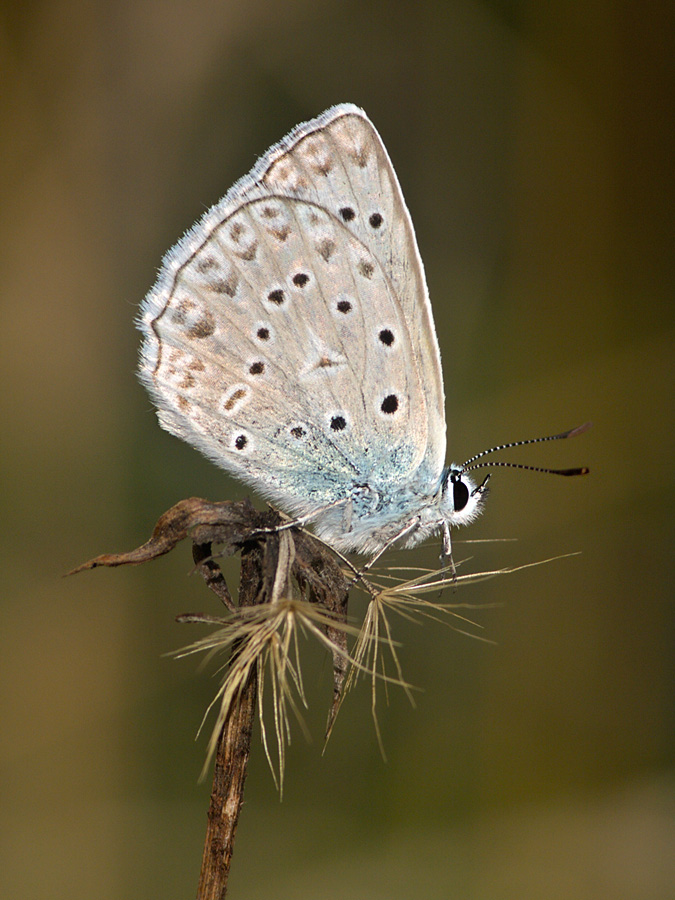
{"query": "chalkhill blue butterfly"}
pixel 289 337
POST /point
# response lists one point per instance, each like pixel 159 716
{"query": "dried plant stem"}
pixel 265 558
pixel 227 795
pixel 231 760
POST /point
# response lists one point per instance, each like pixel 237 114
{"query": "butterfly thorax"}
pixel 371 518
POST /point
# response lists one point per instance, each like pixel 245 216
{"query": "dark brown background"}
pixel 533 143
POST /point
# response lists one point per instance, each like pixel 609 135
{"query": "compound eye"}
pixel 460 495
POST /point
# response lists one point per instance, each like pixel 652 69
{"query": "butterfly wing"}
pixel 289 335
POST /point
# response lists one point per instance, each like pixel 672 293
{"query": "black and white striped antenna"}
pixel 471 464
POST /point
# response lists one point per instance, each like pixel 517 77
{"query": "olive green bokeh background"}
pixel 534 146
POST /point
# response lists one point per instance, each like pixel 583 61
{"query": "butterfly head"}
pixel 461 500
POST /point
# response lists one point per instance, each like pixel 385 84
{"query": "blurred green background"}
pixel 534 146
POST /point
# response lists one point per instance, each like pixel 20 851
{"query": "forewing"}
pixel 277 338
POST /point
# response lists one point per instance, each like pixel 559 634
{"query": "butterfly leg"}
pixel 411 526
pixel 303 520
pixel 359 575
pixel 446 552
pixel 300 520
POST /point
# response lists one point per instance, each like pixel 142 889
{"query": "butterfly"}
pixel 289 337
